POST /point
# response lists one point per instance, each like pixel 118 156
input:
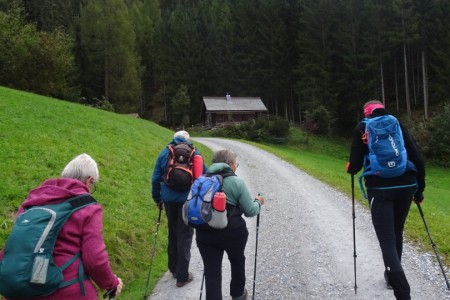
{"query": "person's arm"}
pixel 248 205
pixel 93 249
pixel 357 151
pixel 158 172
pixel 415 156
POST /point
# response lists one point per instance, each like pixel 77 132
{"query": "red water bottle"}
pixel 198 166
pixel 219 202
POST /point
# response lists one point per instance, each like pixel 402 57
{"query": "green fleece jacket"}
pixel 236 190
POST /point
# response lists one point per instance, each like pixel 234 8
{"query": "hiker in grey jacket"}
pixel 232 239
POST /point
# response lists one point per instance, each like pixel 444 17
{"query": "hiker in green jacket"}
pixel 232 239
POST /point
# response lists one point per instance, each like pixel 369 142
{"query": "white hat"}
pixel 183 134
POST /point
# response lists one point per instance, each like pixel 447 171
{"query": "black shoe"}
pixel 388 285
pixel 183 283
pixel 242 297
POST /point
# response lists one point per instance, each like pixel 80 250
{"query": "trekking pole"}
pixel 354 233
pixel 201 287
pixel 433 245
pixel 111 293
pixel 256 253
pixel 153 253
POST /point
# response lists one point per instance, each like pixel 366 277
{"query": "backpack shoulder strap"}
pixel 221 176
pixel 170 147
pixel 77 203
pixel 81 201
pixel 227 173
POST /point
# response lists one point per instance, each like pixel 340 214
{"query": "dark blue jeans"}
pixel 212 245
pixel 180 241
pixel 389 209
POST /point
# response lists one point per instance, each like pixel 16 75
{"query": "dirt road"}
pixel 305 245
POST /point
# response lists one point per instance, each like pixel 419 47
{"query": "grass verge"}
pixel 326 158
pixel 40 135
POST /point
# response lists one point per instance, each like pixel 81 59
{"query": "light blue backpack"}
pixel 387 155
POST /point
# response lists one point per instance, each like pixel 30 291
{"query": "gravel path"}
pixel 305 241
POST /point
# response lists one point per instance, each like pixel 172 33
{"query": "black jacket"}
pixel 359 150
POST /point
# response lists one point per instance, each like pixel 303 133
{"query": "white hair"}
pixel 81 167
pixel 182 133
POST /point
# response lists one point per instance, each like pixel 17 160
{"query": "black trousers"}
pixel 389 209
pixel 212 245
pixel 180 241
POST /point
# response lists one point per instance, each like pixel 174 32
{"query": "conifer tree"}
pixel 110 64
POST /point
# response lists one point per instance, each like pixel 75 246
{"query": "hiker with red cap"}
pixel 394 175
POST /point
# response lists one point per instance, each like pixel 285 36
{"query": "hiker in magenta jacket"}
pixel 82 231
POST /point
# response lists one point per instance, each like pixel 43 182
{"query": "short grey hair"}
pixel 81 167
pixel 225 156
pixel 182 133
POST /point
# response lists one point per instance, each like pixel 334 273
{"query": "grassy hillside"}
pixel 40 135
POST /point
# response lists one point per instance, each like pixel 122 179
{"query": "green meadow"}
pixel 39 135
pixel 326 159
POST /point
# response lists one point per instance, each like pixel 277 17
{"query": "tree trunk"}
pixel 396 85
pixel 408 101
pixel 383 99
pixel 276 108
pixel 425 86
pixel 405 63
pixel 292 105
pixel 286 110
pixel 413 80
pixel 299 111
pixel 106 51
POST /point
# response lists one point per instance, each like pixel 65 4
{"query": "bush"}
pixel 319 120
pixel 270 129
pixel 439 131
pixel 104 104
pixel 40 62
pixel 265 129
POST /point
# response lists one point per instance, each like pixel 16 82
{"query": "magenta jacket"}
pixel 82 232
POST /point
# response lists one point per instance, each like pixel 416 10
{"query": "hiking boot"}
pixel 388 284
pixel 242 297
pixel 183 283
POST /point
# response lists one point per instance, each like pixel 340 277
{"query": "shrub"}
pixel 439 131
pixel 271 129
pixel 319 120
pixel 104 104
pixel 265 129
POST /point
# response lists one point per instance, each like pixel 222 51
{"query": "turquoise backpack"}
pixel 27 269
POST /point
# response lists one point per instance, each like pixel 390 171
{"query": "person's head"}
pixel 370 106
pixel 182 133
pixel 84 168
pixel 225 156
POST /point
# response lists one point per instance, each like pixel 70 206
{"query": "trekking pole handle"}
pixel 110 293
